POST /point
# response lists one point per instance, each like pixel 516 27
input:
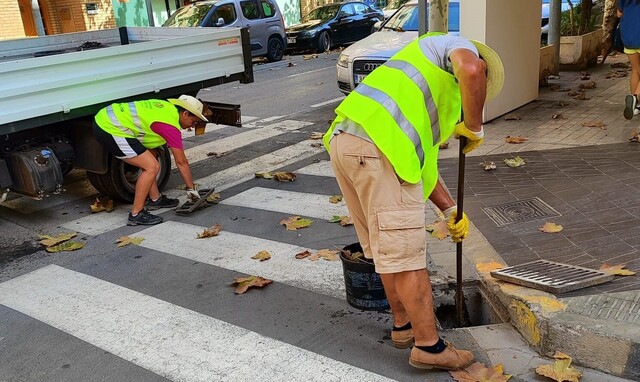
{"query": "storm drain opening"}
pixel 520 211
pixel 478 308
pixel 551 276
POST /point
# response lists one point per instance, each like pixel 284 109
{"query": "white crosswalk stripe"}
pixel 171 341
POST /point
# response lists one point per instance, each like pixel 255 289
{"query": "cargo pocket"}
pixel 365 162
pixel 401 235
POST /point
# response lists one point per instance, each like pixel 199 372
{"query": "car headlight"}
pixel 343 60
pixel 309 32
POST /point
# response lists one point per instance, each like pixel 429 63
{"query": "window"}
pixel 360 8
pixel 346 10
pixel 225 12
pixel 268 9
pixel 250 9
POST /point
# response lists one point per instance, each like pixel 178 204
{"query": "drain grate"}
pixel 552 277
pixel 521 210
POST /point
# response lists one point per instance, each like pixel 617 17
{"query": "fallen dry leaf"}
pixel 282 176
pixel 620 65
pixel 558 88
pixel 550 228
pixel 635 136
pixel 516 140
pixel 50 241
pixel 343 220
pixel 291 64
pixel 617 74
pixel 215 154
pixel 558 116
pixel 478 372
pixel 582 96
pixel 616 269
pixel 213 198
pixel 327 254
pixel 353 256
pixel 560 103
pixel 264 175
pixel 438 229
pixel 210 232
pixel 105 205
pixel 126 240
pixel 488 166
pixel 242 284
pixel 444 145
pixel 588 85
pixel 309 56
pixel 316 135
pixel 316 144
pixel 303 255
pixel 512 117
pixel 262 256
pixel 66 246
pixel 515 162
pixel 561 370
pixel 295 222
pixel 598 124
pixel 335 199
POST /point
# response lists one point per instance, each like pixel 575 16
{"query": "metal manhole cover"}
pixel 521 210
pixel 552 277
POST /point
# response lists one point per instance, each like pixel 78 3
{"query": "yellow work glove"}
pixel 459 230
pixel 473 139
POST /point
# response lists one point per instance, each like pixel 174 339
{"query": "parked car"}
pixel 332 25
pixel 545 14
pixel 361 58
pixel 262 17
pixel 392 6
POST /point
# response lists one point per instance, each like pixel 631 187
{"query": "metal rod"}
pixel 459 211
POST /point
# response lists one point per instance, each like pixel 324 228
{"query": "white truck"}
pixel 52 86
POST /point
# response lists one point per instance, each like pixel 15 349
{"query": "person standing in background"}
pixel 629 14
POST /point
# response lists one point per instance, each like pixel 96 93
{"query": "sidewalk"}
pixel 591 177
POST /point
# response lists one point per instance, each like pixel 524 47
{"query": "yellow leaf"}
pixel 126 240
pixel 353 256
pixel 478 372
pixel 438 229
pixel 343 220
pixel 66 246
pixel 303 255
pixel 515 162
pixel 316 135
pixel 335 199
pixel 516 140
pixel 294 222
pixel 617 269
pixel 284 176
pixel 210 232
pixel 264 175
pixel 561 370
pixel 327 254
pixel 213 198
pixel 242 284
pixel 550 228
pixel 262 256
pixel 96 207
pixel 50 241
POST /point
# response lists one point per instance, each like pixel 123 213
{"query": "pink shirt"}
pixel 169 133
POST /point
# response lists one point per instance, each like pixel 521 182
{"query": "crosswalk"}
pixel 172 340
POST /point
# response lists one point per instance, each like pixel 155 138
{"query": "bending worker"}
pixel 384 147
pixel 132 131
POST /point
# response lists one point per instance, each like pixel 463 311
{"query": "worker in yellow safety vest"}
pixel 384 147
pixel 133 131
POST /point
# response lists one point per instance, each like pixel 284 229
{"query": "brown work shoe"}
pixel 402 339
pixel 450 359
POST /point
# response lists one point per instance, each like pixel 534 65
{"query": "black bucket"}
pixel 363 284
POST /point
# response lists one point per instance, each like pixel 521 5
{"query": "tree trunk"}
pixel 609 21
pixel 585 16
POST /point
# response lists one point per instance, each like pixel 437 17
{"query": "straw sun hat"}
pixel 191 104
pixel 495 70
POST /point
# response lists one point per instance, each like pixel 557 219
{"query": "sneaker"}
pixel 636 111
pixel 630 103
pixel 144 218
pixel 450 358
pixel 162 202
pixel 402 339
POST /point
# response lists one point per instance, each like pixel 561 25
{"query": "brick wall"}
pixel 71 15
pixel 11 25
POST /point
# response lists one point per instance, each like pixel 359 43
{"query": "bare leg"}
pixel 400 316
pixel 634 59
pixel 150 168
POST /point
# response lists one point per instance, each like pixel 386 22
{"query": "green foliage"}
pixel 577 22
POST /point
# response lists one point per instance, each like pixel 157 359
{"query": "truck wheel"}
pixel 120 181
pixel 324 42
pixel 275 49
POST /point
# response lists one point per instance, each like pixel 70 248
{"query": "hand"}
pixel 192 194
pixel 459 230
pixel 474 139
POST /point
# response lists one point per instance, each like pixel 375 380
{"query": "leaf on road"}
pixel 215 154
pixel 335 199
pixel 309 56
pixel 515 162
pixel 66 246
pixel 561 370
pixel 282 176
pixel 549 227
pixel 210 232
pixel 598 124
pixel 303 255
pixel 438 229
pixel 316 135
pixel 102 205
pixel 291 65
pixel 326 254
pixel 343 220
pixel 262 256
pixel 617 269
pixel 558 116
pixel 213 198
pixel 478 372
pixel 560 103
pixel 635 136
pixel 264 175
pixel 316 144
pixel 512 117
pixel 488 166
pixel 515 140
pixel 126 240
pixel 588 85
pixel 295 222
pixel 444 145
pixel 242 284
pixel 50 241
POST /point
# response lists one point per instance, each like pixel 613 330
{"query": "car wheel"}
pixel 275 49
pixel 324 42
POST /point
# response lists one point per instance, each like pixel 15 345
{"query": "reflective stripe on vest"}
pixel 134 116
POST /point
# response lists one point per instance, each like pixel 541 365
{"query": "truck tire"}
pixel 275 49
pixel 120 180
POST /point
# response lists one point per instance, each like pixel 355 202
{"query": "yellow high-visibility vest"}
pixel 407 106
pixel 134 119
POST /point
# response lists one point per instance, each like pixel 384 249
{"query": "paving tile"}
pixel 610 251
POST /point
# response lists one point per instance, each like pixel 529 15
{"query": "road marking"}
pixel 311 71
pixel 321 168
pixel 328 102
pixel 171 341
pixel 290 202
pixel 214 126
pixel 233 251
pixel 199 153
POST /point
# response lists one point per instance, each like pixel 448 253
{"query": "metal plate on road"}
pixel 519 211
pixel 552 277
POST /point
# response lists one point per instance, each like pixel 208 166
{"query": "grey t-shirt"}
pixel 438 50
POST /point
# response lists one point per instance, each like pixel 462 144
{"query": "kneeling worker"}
pixel 132 131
